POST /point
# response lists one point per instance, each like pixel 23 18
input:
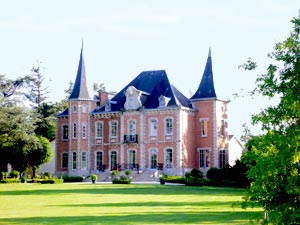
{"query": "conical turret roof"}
pixel 206 88
pixel 80 90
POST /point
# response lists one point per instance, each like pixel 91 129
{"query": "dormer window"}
pixel 107 105
pixel 163 101
pixel 133 98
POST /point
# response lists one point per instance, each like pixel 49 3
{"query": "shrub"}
pixel 194 178
pixel 10 181
pixel 127 173
pixel 4 175
pixel 114 173
pixel 121 180
pixel 175 179
pixel 69 179
pixel 15 174
pixel 196 173
pixel 47 175
pixel 214 174
pixel 54 180
pixel 94 177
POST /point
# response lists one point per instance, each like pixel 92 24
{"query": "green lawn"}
pixel 120 204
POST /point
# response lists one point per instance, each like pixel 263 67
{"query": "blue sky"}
pixel 123 38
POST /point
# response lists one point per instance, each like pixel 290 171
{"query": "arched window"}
pixel 113 160
pixel 131 159
pixel 169 158
pixel 153 158
pixel 99 161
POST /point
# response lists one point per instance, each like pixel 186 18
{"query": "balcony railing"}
pixel 131 138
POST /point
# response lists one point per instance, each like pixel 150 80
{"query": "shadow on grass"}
pixel 126 189
pixel 206 204
pixel 142 218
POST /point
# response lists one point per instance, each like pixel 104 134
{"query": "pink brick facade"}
pixel 174 139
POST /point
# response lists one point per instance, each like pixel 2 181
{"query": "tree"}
pixel 17 136
pixel 273 158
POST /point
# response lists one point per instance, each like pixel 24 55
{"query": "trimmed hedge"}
pixel 121 180
pixel 175 179
pixel 53 181
pixel 69 179
pixel 10 181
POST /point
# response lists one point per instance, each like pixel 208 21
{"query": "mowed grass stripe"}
pixel 120 204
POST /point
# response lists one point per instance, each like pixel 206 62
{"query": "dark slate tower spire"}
pixel 80 90
pixel 206 88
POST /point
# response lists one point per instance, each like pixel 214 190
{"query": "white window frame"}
pixel 74 108
pixel 169 126
pixel 204 157
pixel 62 160
pixel 131 157
pixel 204 127
pixel 222 158
pixel 132 127
pixel 153 125
pixel 153 151
pixel 110 158
pixel 101 125
pixel 100 160
pixel 83 130
pixel 83 108
pixel 74 162
pixel 74 130
pixel 83 161
pixel 168 161
pixel 113 132
pixel 63 132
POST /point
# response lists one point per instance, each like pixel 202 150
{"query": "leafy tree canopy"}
pixel 273 158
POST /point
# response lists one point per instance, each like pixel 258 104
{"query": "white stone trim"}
pixel 215 133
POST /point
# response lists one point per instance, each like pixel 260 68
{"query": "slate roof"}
pixel 80 90
pixel 206 88
pixel 64 113
pixel 153 84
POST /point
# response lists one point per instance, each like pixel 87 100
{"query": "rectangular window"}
pixel 222 158
pixel 99 130
pixel 83 161
pixel 153 127
pixel 74 108
pixel 64 160
pixel 65 132
pixel 203 124
pixel 83 130
pixel 74 130
pixel 222 128
pixel 74 163
pixel 99 161
pixel 169 158
pixel 169 126
pixel 113 128
pixel 83 109
pixel 204 160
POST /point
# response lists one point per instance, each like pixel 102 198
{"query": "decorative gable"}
pixel 133 98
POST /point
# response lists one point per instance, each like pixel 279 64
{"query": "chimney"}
pixel 103 96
